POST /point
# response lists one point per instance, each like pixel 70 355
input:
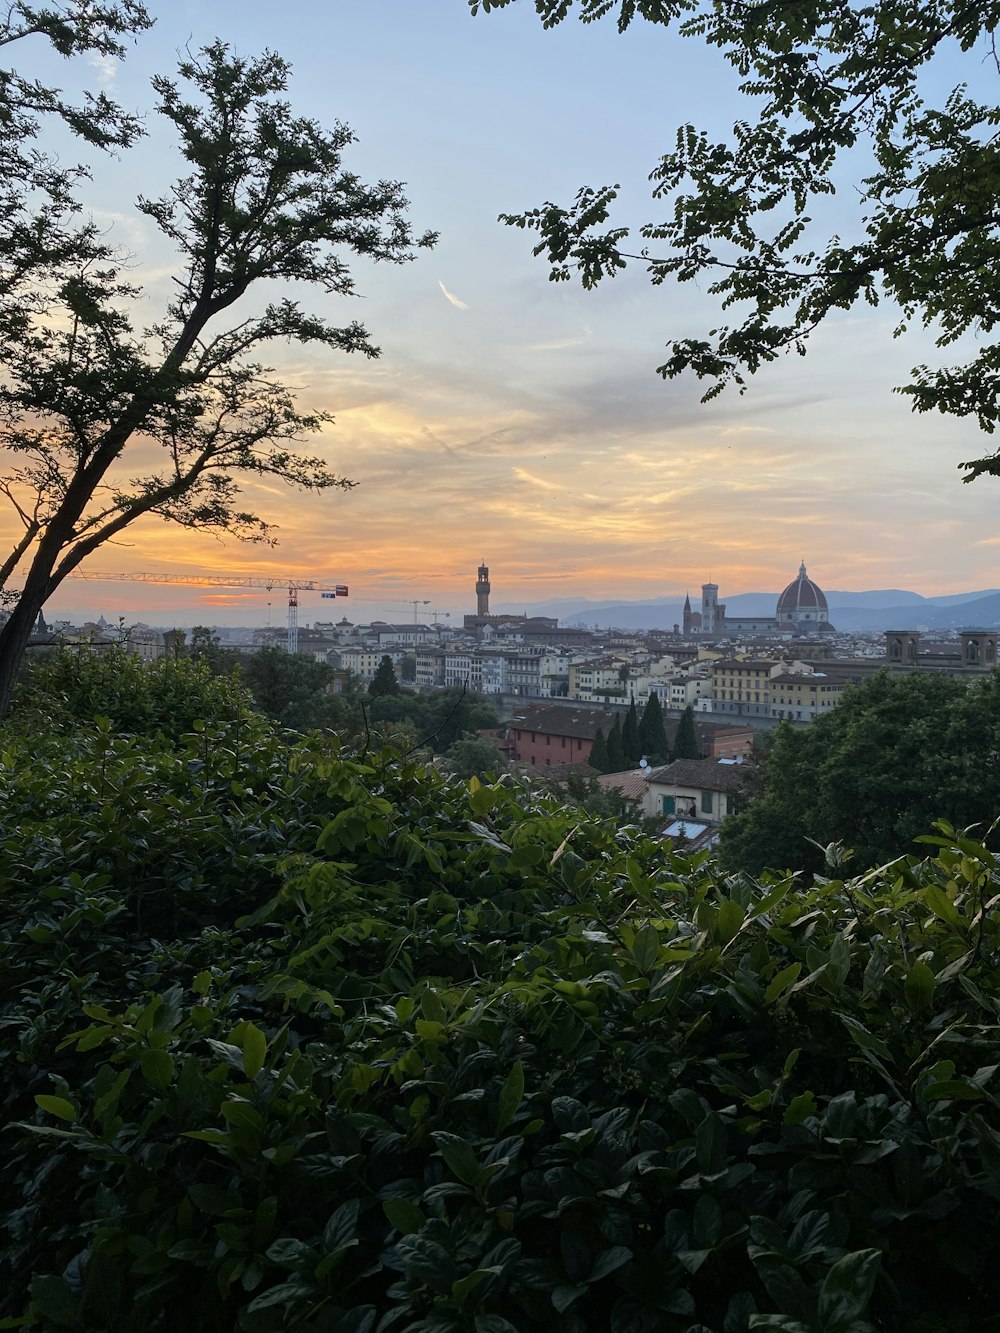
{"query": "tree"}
pixel 828 81
pixel 631 743
pixel 652 733
pixel 893 757
pixel 598 757
pixel 290 688
pixel 384 681
pixel 617 760
pixel 686 742
pixel 474 757
pixel 267 200
pixel 206 646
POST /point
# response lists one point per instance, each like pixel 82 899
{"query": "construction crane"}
pixel 294 585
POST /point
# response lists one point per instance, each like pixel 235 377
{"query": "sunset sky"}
pixel 522 421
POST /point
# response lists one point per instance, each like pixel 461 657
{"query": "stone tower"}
pixel 709 607
pixel 483 591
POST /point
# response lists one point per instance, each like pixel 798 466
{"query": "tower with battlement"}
pixel 483 591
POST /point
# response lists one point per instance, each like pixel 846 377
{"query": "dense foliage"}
pixel 301 1039
pixel 872 775
pixel 898 97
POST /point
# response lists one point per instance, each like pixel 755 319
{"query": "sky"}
pixel 517 420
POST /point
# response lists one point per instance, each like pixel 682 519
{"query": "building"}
pixel 800 698
pixel 801 610
pixel 974 651
pixel 698 789
pixel 545 736
pixel 695 793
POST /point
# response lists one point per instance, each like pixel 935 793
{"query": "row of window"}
pixel 686 806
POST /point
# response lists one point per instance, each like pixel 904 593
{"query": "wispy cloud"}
pixel 540 482
pixel 450 296
pixel 105 67
pixel 747 430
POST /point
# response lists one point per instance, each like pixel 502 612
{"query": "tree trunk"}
pixel 13 641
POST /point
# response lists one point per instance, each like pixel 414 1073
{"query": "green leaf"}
pixel 941 905
pixel 710 1144
pixel 459 1156
pixel 800 1108
pixel 952 1089
pixel 645 947
pixel 919 987
pixel 463 1287
pixel 58 1106
pixel 729 920
pixel 847 1289
pixel 341 1228
pixel 286 1293
pixel 242 1116
pixel 511 1095
pixel 288 1252
pixel 781 982
pixel 254 1050
pixel 54 1301
pixel 563 1297
pixel 483 800
pixel 609 1261
pixel 157 1066
pixel 404 1215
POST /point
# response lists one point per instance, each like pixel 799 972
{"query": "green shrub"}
pixel 460 1059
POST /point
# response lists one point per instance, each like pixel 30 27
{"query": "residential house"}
pixel 698 789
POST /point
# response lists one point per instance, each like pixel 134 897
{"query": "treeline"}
pixel 297 692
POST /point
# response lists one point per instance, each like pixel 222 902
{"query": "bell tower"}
pixel 483 590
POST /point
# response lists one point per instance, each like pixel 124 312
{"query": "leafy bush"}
pixel 166 697
pixel 459 1059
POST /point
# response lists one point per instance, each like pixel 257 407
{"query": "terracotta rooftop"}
pixel 705 773
pixel 631 783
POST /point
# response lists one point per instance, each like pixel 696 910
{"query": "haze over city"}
pixel 520 419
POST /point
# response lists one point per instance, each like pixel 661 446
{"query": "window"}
pixel 706 802
pixel 669 805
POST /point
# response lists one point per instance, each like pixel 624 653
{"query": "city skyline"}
pixel 523 416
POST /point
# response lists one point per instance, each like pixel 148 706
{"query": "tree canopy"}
pixel 872 775
pixel 825 81
pixel 266 196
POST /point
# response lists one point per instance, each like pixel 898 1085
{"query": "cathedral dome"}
pixel 803 600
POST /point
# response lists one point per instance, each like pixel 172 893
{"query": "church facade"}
pixel 801 611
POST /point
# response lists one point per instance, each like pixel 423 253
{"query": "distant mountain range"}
pixel 865 612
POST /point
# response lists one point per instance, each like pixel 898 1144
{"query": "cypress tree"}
pixel 598 757
pixel 616 750
pixel 686 742
pixel 631 743
pixel 652 733
pixel 384 681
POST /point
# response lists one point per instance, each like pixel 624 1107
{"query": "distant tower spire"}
pixel 483 590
